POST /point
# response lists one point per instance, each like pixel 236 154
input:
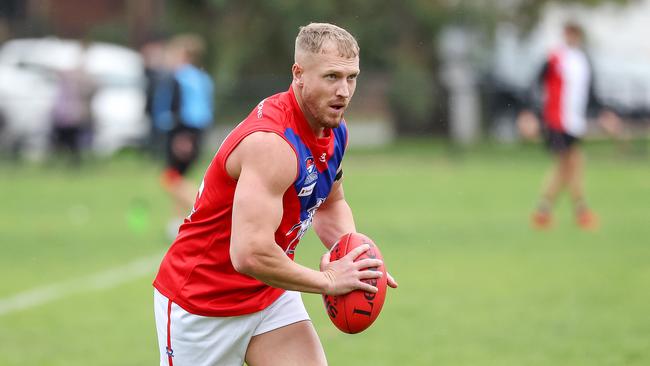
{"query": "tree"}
pixel 253 39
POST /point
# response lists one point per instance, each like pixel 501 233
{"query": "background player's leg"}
pixel 554 183
pixel 182 151
pixel 184 193
pixel 295 344
pixel 556 179
pixel 575 177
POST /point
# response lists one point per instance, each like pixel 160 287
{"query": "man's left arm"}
pixel 334 219
pixel 607 118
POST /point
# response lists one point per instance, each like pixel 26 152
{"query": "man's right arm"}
pixel 264 166
pixel 527 121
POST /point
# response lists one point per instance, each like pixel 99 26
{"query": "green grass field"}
pixel 477 285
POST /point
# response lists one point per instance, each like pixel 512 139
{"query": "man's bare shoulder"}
pixel 265 153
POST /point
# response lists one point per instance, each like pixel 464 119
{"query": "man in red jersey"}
pixel 228 290
pixel 568 90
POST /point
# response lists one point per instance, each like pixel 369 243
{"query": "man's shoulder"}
pixel 271 113
pixel 275 108
pixel 267 122
pixel 269 154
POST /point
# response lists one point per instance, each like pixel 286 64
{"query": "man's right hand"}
pixel 528 125
pixel 346 274
pixel 611 123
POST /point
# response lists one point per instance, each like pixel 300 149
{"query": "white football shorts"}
pixel 188 339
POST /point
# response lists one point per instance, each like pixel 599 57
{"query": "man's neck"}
pixel 315 128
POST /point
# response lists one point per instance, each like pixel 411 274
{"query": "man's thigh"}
pixel 188 339
pixel 295 344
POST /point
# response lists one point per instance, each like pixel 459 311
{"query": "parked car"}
pixel 29 70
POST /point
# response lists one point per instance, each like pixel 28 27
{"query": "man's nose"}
pixel 343 89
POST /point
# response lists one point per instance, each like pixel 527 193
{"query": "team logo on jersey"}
pixel 301 228
pixel 323 158
pixel 312 173
pixel 307 190
pixel 309 164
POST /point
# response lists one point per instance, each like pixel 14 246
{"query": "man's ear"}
pixel 297 72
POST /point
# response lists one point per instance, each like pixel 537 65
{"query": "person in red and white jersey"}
pixel 566 82
pixel 228 290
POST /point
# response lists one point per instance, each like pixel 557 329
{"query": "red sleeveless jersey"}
pixel 197 273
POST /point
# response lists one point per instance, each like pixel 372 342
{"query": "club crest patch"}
pixel 312 172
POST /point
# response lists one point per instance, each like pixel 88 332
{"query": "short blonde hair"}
pixel 191 45
pixel 312 37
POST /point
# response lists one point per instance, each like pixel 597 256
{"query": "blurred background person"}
pixel 159 92
pixel 566 83
pixel 72 113
pixel 191 105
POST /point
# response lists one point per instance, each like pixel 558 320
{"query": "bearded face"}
pixel 325 84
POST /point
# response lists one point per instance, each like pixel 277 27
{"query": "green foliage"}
pixel 254 39
pixel 110 32
pixel 412 94
pixel 525 13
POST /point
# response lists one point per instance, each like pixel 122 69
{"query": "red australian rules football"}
pixel 357 310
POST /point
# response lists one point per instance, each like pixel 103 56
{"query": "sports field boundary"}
pixel 99 281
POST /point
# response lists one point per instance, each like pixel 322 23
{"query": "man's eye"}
pixel 330 77
pixel 352 77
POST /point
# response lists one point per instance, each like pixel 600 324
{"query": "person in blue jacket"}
pixel 191 112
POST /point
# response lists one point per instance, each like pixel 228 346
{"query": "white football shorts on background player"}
pixel 187 339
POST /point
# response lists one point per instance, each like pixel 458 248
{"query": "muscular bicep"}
pixel 266 167
pixel 257 208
